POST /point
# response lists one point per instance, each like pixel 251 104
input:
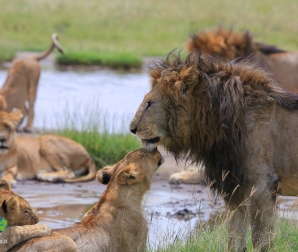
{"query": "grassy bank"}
pixel 105 148
pixel 214 238
pixel 106 137
pixel 120 33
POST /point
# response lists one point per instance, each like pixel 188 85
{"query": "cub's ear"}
pixel 5 185
pixel 104 175
pixel 130 175
pixel 10 204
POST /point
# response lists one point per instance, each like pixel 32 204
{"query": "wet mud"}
pixel 172 211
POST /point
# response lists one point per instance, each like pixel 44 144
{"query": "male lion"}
pixel 48 158
pixel 116 222
pixel 17 212
pixel 227 44
pixel 21 84
pixel 238 122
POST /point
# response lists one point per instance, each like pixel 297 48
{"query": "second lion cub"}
pixel 116 222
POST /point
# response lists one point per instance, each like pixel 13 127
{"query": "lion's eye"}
pixel 149 103
pixel 26 211
pixel 6 127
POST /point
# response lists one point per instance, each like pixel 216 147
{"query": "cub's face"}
pixel 8 125
pixel 16 210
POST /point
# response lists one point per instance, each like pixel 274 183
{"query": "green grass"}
pixel 106 137
pixel 210 239
pixel 113 60
pixel 105 148
pixel 121 32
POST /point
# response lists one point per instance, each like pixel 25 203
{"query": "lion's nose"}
pixel 133 130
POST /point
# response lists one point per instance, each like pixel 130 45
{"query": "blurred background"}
pixel 122 32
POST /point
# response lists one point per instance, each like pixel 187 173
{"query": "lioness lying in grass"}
pixel 17 212
pixel 47 158
pixel 116 222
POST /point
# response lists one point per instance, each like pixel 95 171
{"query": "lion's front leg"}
pixel 17 234
pixel 238 223
pixel 263 219
pixel 10 175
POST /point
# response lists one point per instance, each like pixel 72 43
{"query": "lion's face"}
pixel 8 125
pixel 14 208
pixel 137 166
pixel 150 123
pixel 164 116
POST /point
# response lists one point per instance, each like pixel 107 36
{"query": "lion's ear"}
pixel 17 115
pixel 104 175
pixel 129 175
pixel 187 77
pixel 5 185
pixel 10 204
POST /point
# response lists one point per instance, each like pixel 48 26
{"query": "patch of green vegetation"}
pixel 113 60
pixel 139 28
pixel 105 148
pixel 97 131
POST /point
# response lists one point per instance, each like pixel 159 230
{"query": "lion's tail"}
pixel 91 174
pixel 54 44
pixel 3 103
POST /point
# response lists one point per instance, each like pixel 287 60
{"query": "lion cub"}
pixel 116 222
pixel 17 212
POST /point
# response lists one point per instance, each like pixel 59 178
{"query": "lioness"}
pixel 48 158
pixel 21 84
pixel 238 122
pixel 17 212
pixel 116 222
pixel 228 44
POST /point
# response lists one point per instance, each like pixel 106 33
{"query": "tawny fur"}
pixel 21 84
pixel 236 120
pixel 229 45
pixel 190 175
pixel 21 219
pixel 116 222
pixel 48 158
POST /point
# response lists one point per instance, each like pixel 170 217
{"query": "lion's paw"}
pixel 175 178
pixel 191 176
pixel 44 229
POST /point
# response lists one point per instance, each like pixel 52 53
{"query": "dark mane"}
pixel 221 92
pixel 228 44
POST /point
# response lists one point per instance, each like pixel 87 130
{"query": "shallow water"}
pixel 74 95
